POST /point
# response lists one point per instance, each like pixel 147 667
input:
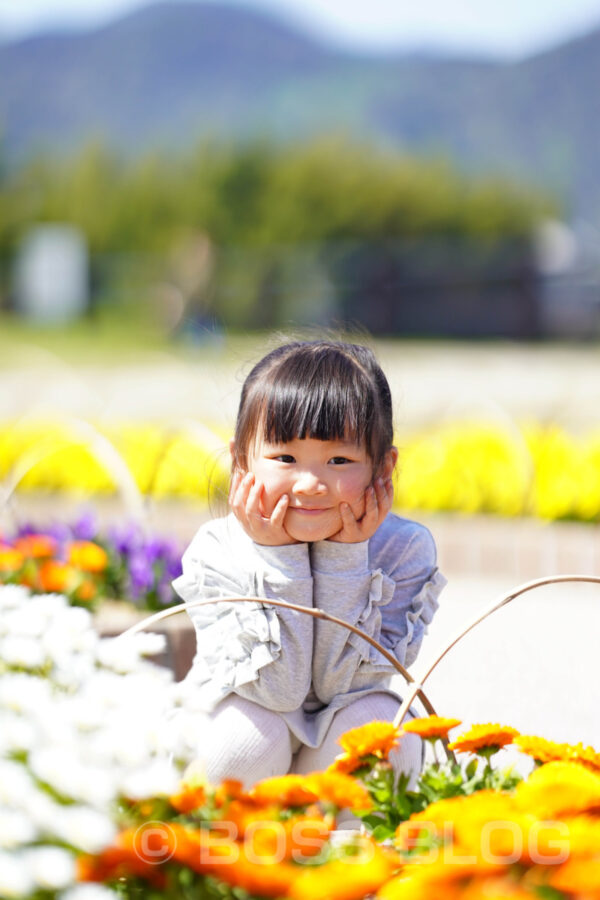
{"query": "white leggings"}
pixel 248 742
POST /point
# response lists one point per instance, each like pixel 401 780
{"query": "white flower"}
pixel 15 829
pixel 65 769
pixel 15 879
pixel 84 828
pixel 160 778
pixel 16 733
pixel 89 892
pixel 12 596
pixel 18 650
pixel 24 693
pixel 15 783
pixel 122 654
pixel 51 868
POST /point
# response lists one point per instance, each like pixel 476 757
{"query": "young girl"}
pixel 310 523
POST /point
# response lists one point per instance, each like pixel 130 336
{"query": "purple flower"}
pixel 86 527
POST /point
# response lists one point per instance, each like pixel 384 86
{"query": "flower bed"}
pixel 534 470
pixel 102 794
pixel 86 565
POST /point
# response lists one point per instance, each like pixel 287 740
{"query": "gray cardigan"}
pixel 304 668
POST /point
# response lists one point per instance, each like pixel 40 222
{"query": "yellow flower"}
pixel 577 876
pixel 559 788
pixel 548 751
pixel 431 726
pixel 350 878
pixel 484 737
pixel 87 556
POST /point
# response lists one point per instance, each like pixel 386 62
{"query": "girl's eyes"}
pixel 288 458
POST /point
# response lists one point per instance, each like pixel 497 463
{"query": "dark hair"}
pixel 326 390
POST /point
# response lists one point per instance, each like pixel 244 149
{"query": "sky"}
pixel 509 28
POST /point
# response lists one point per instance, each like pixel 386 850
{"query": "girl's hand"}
pixel 245 500
pixel 378 502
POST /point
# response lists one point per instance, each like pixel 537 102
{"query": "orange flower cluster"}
pixel 31 560
pixel 431 727
pixel 544 837
pixel 481 738
pixel 544 751
pixel 255 844
pixel 360 745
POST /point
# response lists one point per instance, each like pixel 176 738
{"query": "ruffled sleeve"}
pixel 240 644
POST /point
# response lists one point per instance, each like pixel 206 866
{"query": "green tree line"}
pixel 258 198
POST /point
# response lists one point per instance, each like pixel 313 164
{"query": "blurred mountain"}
pixel 168 74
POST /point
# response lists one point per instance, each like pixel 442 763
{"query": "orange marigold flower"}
pixel 339 789
pixel 86 590
pixel 431 726
pixel 133 853
pixel 37 546
pixel 189 798
pixel 577 876
pixel 286 790
pixel 350 878
pixel 373 739
pixel 56 577
pixel 484 737
pixel 11 560
pixel 548 751
pixel 344 765
pixel 87 556
pixel 559 788
pixel 229 789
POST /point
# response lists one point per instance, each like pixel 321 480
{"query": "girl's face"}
pixel 317 476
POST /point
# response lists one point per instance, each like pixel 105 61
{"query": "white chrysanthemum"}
pixel 51 868
pixel 15 783
pixel 22 651
pixel 24 693
pixel 12 596
pixel 89 892
pixel 67 772
pixel 122 654
pixel 160 778
pixel 85 828
pixel 23 621
pixel 15 879
pixel 16 829
pixel 16 733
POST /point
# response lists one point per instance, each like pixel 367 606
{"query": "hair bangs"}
pixel 331 402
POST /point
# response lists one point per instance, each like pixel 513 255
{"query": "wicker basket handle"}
pixel 309 611
pixel 417 684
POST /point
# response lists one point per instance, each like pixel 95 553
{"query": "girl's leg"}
pixel 245 741
pixel 383 707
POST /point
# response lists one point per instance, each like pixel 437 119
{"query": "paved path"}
pixel 533 664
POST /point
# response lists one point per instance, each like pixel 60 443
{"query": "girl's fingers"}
pixel 278 514
pixel 253 499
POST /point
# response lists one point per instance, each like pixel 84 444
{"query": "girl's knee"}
pixel 246 742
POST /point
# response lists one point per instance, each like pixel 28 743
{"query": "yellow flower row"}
pixel 537 470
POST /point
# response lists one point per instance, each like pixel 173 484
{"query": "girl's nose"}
pixel 308 482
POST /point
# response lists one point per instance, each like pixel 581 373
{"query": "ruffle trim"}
pixel 233 641
pixel 381 592
pixel 418 617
